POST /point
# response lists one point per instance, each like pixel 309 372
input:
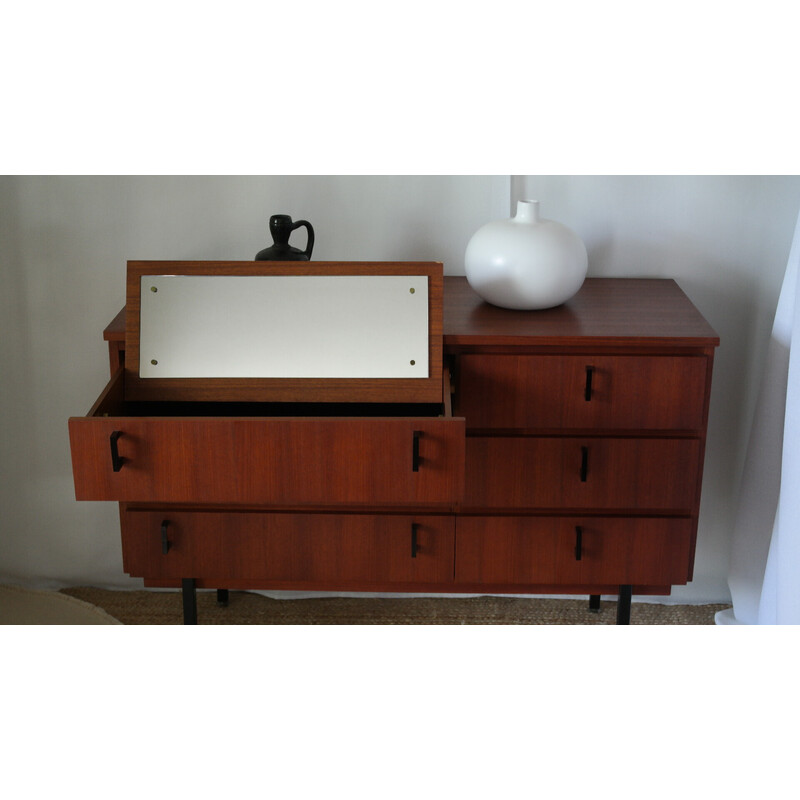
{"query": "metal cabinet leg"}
pixel 624 605
pixel 222 597
pixel 189 592
pixel 594 603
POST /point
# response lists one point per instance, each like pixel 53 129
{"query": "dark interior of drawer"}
pixel 127 408
pixel 113 403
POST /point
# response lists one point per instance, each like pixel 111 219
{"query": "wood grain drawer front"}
pixel 590 473
pixel 551 550
pixel 278 548
pixel 291 461
pixel 582 392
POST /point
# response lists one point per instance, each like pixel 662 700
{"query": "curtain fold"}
pixel 764 576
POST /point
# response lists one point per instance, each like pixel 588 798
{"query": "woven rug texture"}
pixel 249 608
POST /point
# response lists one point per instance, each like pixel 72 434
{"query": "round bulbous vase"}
pixel 525 262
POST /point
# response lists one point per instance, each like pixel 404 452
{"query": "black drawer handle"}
pixel 578 542
pixel 414 529
pixel 587 393
pixel 584 463
pixel 415 459
pixel 165 542
pixel 116 461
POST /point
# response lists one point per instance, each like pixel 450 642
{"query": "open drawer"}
pixel 279 384
pixel 275 454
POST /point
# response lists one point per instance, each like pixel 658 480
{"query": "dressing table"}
pixel 404 436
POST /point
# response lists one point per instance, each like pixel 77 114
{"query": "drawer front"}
pixel 332 549
pixel 292 461
pixel 588 473
pixel 572 551
pixel 582 392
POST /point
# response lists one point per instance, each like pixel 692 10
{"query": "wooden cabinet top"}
pixel 605 311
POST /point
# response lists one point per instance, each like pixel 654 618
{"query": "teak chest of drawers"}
pixel 565 457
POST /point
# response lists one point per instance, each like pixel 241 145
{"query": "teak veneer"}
pixel 561 451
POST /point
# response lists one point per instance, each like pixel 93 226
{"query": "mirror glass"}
pixel 284 326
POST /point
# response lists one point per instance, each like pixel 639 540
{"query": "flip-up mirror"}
pixel 284 331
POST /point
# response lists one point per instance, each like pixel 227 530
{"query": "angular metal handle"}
pixel 584 463
pixel 587 392
pixel 414 529
pixel 415 459
pixel 116 461
pixel 578 542
pixel 165 542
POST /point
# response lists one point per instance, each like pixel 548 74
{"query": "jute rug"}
pixel 248 608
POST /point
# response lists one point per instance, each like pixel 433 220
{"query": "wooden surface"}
pixel 505 493
pixel 521 550
pixel 285 462
pixel 636 475
pixel 448 587
pixel 605 312
pixel 311 548
pixel 115 330
pixel 374 390
pixel 549 392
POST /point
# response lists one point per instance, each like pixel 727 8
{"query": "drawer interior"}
pixel 113 403
pixel 205 409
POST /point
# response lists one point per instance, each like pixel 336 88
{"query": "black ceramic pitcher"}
pixel 281 227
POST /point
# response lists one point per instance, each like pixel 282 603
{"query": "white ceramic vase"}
pixel 526 262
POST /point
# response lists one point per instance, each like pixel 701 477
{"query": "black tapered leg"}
pixel 624 605
pixel 222 597
pixel 189 592
pixel 594 602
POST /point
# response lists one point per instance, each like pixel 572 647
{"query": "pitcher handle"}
pixel 310 244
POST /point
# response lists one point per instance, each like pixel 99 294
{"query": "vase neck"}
pixel 527 211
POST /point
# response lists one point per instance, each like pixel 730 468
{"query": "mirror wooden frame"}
pixel 294 390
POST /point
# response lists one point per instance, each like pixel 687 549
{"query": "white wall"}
pixel 64 242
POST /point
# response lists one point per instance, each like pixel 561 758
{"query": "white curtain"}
pixel 764 576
